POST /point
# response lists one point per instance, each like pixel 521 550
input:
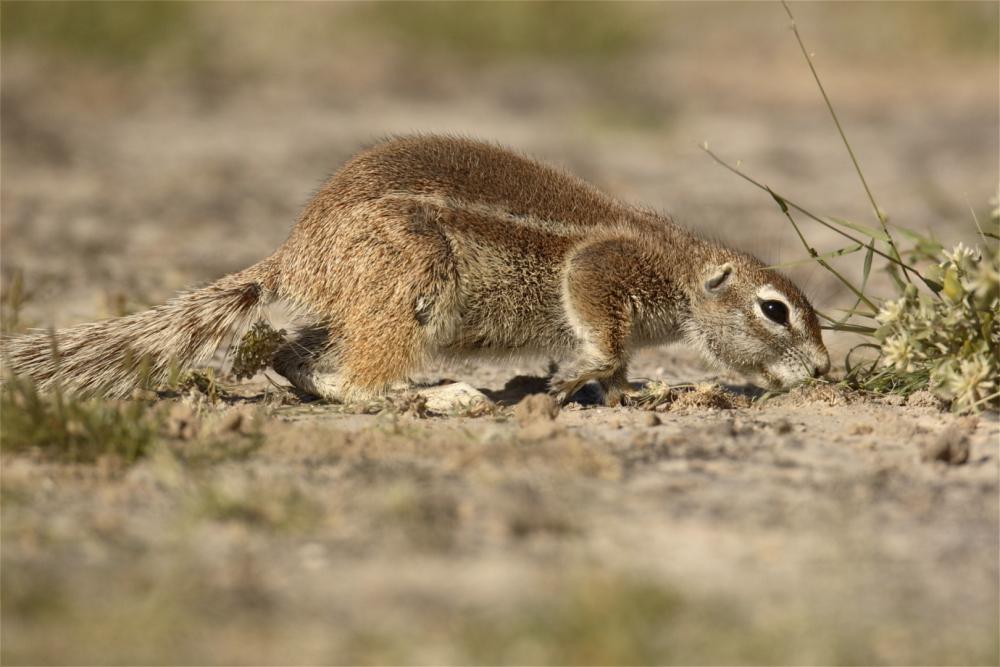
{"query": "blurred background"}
pixel 147 146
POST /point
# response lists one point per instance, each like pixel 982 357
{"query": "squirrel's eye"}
pixel 775 311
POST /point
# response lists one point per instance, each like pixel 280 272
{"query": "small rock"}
pixel 651 419
pixel 447 398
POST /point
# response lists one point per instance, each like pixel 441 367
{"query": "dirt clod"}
pixel 232 421
pixel 182 422
pixel 828 394
pixel 925 399
pixel 707 397
pixel 651 419
pixel 536 407
pixel 951 446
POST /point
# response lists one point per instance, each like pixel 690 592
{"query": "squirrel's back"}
pixel 472 173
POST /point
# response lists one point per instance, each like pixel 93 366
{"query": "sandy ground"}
pixel 815 527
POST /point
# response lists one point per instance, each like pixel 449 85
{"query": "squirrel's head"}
pixel 754 320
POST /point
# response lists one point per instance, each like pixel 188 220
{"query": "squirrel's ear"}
pixel 719 280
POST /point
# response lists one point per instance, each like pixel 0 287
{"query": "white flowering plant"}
pixel 947 341
pixel 940 331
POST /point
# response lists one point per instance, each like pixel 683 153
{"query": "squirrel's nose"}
pixel 823 367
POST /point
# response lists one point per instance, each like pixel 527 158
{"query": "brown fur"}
pixel 426 247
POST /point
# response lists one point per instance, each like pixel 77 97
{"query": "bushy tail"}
pixel 107 358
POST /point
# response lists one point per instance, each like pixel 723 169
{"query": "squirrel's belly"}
pixel 509 306
pixel 510 317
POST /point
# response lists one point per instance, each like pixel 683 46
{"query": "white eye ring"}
pixel 768 294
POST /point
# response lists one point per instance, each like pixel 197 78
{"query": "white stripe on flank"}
pixel 556 227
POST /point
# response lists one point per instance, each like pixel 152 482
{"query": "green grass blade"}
pixel 850 328
pixel 851 369
pixel 854 312
pixel 858 227
pixel 839 252
pixel 868 265
pixel 824 316
pixel 911 234
pixel 894 274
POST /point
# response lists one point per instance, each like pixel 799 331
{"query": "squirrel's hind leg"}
pixel 307 359
pixel 359 356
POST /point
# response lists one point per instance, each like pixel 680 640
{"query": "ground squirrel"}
pixel 438 247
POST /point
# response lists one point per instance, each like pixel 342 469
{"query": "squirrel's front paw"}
pixel 562 390
pixel 614 397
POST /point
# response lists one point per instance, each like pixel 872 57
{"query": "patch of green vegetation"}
pixel 123 33
pixel 595 619
pixel 600 621
pixel 69 429
pixel 199 380
pixel 256 349
pixel 490 30
pixel 950 343
pixel 941 330
pixel 606 618
pixel 66 428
